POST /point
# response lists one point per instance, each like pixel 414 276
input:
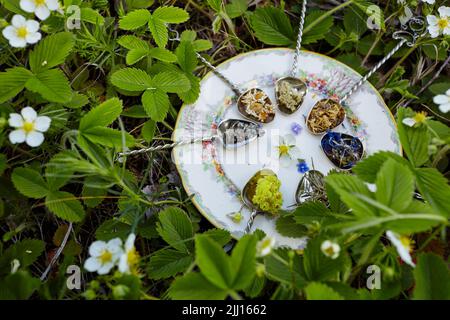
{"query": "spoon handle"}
pixel 372 71
pixel 299 39
pixel 165 146
pixel 219 74
pixel 250 221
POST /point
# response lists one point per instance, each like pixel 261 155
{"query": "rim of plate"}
pixel 210 73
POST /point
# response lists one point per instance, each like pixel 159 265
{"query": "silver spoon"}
pixel 232 133
pixel 328 114
pixel 290 91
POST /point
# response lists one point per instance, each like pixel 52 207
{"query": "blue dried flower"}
pixel 302 166
pixel 296 128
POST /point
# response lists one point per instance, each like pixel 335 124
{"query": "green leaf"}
pixel 26 251
pixel 243 262
pixel 162 54
pixel 167 263
pixel 132 42
pixel 220 236
pixel 55 175
pixel 194 286
pixel 236 8
pixel 135 19
pixel 51 51
pixel 285 269
pixel 320 30
pixel 312 212
pixel 319 267
pixel 347 187
pixel 78 101
pixel 432 278
pixel 287 226
pixel 434 188
pixel 187 58
pixel 18 286
pixel 91 16
pixel 414 140
pixel 213 262
pixel 272 26
pixel 191 95
pixel 93 193
pixel 202 45
pixel 395 185
pixel 368 168
pixel 52 85
pixel 29 182
pixel 320 291
pixel 172 82
pixel 12 81
pixel 156 104
pixel 171 14
pixel 132 79
pixel 102 115
pixel 65 205
pixel 148 130
pixel 109 137
pixel 175 228
pixel 159 31
pixel 215 4
pixel 136 55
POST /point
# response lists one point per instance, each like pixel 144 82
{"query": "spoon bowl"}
pixel 254 104
pixel 290 93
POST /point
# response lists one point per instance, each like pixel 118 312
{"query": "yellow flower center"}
pixel 420 117
pixel 22 32
pixel 39 2
pixel 329 251
pixel 132 257
pixel 283 150
pixel 106 257
pixel 28 127
pixel 266 244
pixel 407 242
pixel 443 23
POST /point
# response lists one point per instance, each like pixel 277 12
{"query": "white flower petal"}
pixel 28 5
pixel 429 1
pixel 17 136
pixel 15 120
pixel 444 108
pixel 432 20
pixel 289 139
pixel 33 37
pixel 42 12
pixel 441 98
pixel 96 248
pixel 444 11
pixel 295 153
pixel 401 250
pixel 29 114
pixel 52 4
pixel 35 139
pixel 447 92
pixel 9 32
pixel 104 269
pixel 17 42
pixel 129 244
pixel 32 26
pixel 92 264
pixel 42 123
pixel 446 30
pixel 285 161
pixel 18 21
pixel 409 122
pixel 123 264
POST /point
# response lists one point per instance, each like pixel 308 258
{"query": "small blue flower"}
pixel 296 128
pixel 302 166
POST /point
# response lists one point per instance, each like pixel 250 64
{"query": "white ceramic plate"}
pixel 215 175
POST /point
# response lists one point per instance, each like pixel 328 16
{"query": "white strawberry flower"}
pixel 103 256
pixel 439 25
pixel 29 127
pixel 404 246
pixel 429 1
pixel 41 8
pixel 130 257
pixel 443 100
pixel 330 249
pixel 22 31
pixel 265 246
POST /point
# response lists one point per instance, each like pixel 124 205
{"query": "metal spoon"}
pixel 249 192
pixel 328 114
pixel 232 133
pixel 311 187
pixel 290 91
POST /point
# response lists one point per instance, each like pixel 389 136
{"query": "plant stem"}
pixel 327 14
